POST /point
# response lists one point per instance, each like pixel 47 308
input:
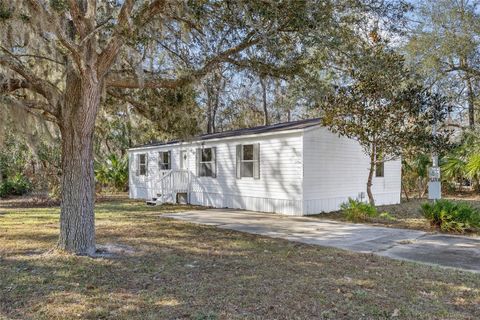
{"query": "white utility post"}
pixel 434 184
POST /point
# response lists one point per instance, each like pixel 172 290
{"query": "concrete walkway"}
pixel 430 248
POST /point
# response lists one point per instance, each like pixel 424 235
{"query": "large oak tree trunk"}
pixel 77 220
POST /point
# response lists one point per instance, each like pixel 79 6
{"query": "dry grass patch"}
pixel 178 270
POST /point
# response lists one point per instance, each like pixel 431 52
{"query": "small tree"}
pixel 381 107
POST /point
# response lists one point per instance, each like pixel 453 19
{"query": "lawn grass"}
pixel 405 215
pixel 176 270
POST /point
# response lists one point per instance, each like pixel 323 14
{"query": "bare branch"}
pixel 35 56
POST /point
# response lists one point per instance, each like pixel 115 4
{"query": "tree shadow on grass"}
pixel 186 271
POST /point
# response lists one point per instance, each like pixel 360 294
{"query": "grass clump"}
pixel 451 216
pixel 355 210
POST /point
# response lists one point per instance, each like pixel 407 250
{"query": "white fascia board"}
pixel 199 142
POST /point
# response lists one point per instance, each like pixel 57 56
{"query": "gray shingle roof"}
pixel 284 126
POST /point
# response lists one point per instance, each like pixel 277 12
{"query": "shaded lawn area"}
pixel 177 270
pixel 406 214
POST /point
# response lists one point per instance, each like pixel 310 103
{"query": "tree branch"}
pixel 124 82
pixel 32 82
pixel 13 84
pixel 141 107
pixel 94 31
pixel 35 56
pixel 58 30
pixel 30 106
pixel 125 28
pixel 109 53
pixel 77 18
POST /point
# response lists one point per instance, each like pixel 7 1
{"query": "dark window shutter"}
pixel 169 160
pixel 146 164
pixel 256 161
pixel 214 162
pixel 198 157
pixel 239 161
pixel 136 162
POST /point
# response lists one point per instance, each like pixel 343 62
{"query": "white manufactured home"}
pixel 294 168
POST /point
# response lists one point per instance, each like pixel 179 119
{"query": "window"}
pixel 164 162
pixel 248 161
pixel 206 166
pixel 142 164
pixel 379 166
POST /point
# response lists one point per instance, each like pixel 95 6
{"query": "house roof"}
pixel 284 126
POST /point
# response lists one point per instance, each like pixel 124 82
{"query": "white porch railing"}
pixel 173 182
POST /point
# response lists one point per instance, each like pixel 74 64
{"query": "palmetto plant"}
pixel 112 172
pixel 453 167
pixel 415 174
pixel 463 162
pixel 472 167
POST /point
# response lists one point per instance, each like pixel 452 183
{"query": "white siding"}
pixel 335 168
pixel 144 187
pixel 279 188
pixel 301 172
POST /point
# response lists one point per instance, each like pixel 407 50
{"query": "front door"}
pixel 184 160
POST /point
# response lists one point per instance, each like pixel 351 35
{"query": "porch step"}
pixel 152 202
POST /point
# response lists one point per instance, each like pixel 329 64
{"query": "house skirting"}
pixel 220 200
pixel 262 204
pixel 316 206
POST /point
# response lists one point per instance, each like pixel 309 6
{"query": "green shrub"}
pixel 16 186
pixel 452 216
pixel 355 210
pixel 387 216
pixel 112 172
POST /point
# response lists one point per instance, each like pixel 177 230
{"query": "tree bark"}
pixel 371 200
pixel 210 93
pixel 264 98
pixel 77 219
pixel 209 118
pixel 405 192
pixel 471 103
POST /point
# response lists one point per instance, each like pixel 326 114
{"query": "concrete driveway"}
pixel 430 248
